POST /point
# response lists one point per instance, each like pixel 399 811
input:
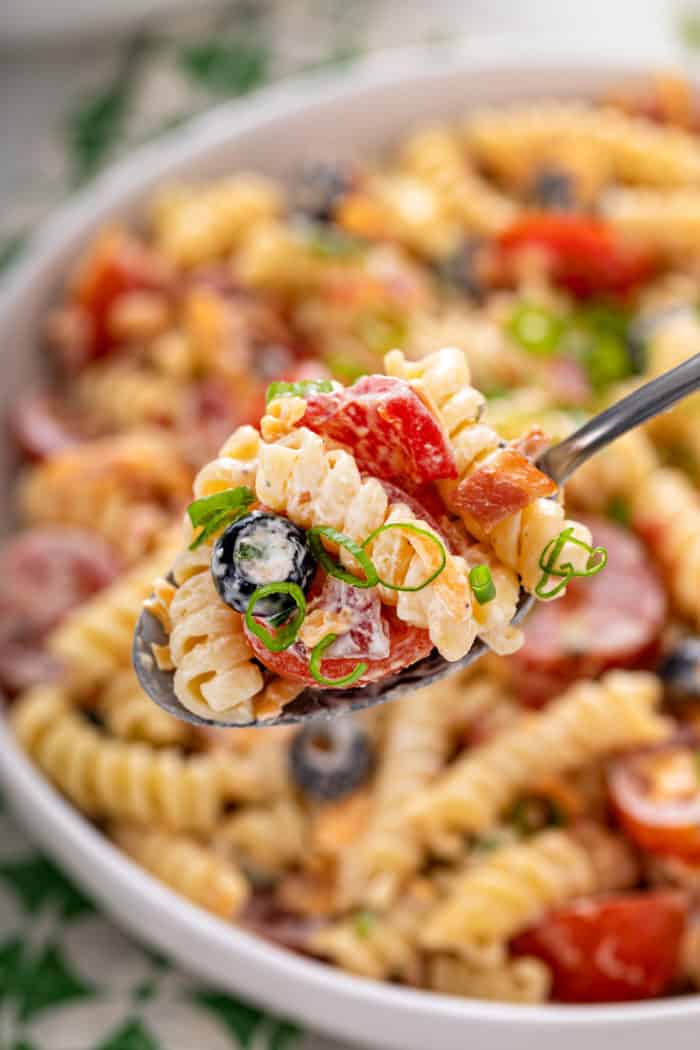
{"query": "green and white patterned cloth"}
pixel 69 980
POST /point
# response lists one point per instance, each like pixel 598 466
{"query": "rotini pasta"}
pixel 417 741
pixel 591 720
pixel 107 777
pixel 522 537
pixel 186 867
pixel 435 157
pixel 667 512
pixel 513 887
pixel 95 641
pixel 130 714
pixel 126 488
pixel 525 980
pixel 313 486
pixel 635 149
pixel 194 225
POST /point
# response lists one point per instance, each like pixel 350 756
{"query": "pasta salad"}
pixel 342 385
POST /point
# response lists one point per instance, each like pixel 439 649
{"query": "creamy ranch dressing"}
pixel 265 554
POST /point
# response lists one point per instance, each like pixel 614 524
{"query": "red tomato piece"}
pixel 407 644
pixel 508 482
pixel 44 573
pixel 584 254
pixel 614 619
pixel 656 795
pixel 390 431
pixel 615 949
pixel 117 263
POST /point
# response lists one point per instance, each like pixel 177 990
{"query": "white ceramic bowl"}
pixel 377 102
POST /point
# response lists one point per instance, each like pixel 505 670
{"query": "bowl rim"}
pixel 61 829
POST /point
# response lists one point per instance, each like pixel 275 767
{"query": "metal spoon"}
pixel 559 462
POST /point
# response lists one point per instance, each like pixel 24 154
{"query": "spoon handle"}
pixel 563 459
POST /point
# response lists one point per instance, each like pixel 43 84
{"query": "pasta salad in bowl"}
pixel 290 360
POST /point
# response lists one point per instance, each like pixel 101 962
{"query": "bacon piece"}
pixel 507 482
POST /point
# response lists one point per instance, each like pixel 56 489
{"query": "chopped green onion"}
pixel 301 389
pixel 531 813
pixel 332 568
pixel 285 636
pixel 619 512
pixel 329 242
pixel 536 329
pixel 606 361
pixel 566 571
pixel 380 332
pixel 215 511
pixel 315 665
pixel 408 527
pixel 481 582
pixel 346 368
pixel 363 924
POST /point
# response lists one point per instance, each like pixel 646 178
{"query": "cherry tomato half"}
pixel 656 794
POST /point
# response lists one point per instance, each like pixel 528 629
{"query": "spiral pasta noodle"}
pixel 106 777
pixel 525 980
pixel 636 150
pixel 667 513
pixel 513 886
pixel 192 224
pixel 124 394
pixel 214 673
pixel 192 870
pixel 519 540
pixel 435 157
pixel 299 477
pixel 95 639
pixel 591 720
pixel 130 714
pixel 376 945
pixel 265 839
pixel 416 745
pixel 123 487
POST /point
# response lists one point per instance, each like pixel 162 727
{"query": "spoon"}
pixel 559 462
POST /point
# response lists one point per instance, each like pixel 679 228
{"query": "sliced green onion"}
pixel 333 568
pixel 481 582
pixel 363 924
pixel 619 511
pixel 329 242
pixel 566 571
pixel 285 636
pixel 315 665
pixel 408 527
pixel 219 509
pixel 301 389
pixel 536 329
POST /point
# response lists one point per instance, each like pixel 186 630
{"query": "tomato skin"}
pixel 616 949
pixel 407 645
pixel 389 430
pixel 668 826
pixel 584 254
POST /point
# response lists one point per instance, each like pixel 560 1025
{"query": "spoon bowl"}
pixel 559 462
pixel 311 701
